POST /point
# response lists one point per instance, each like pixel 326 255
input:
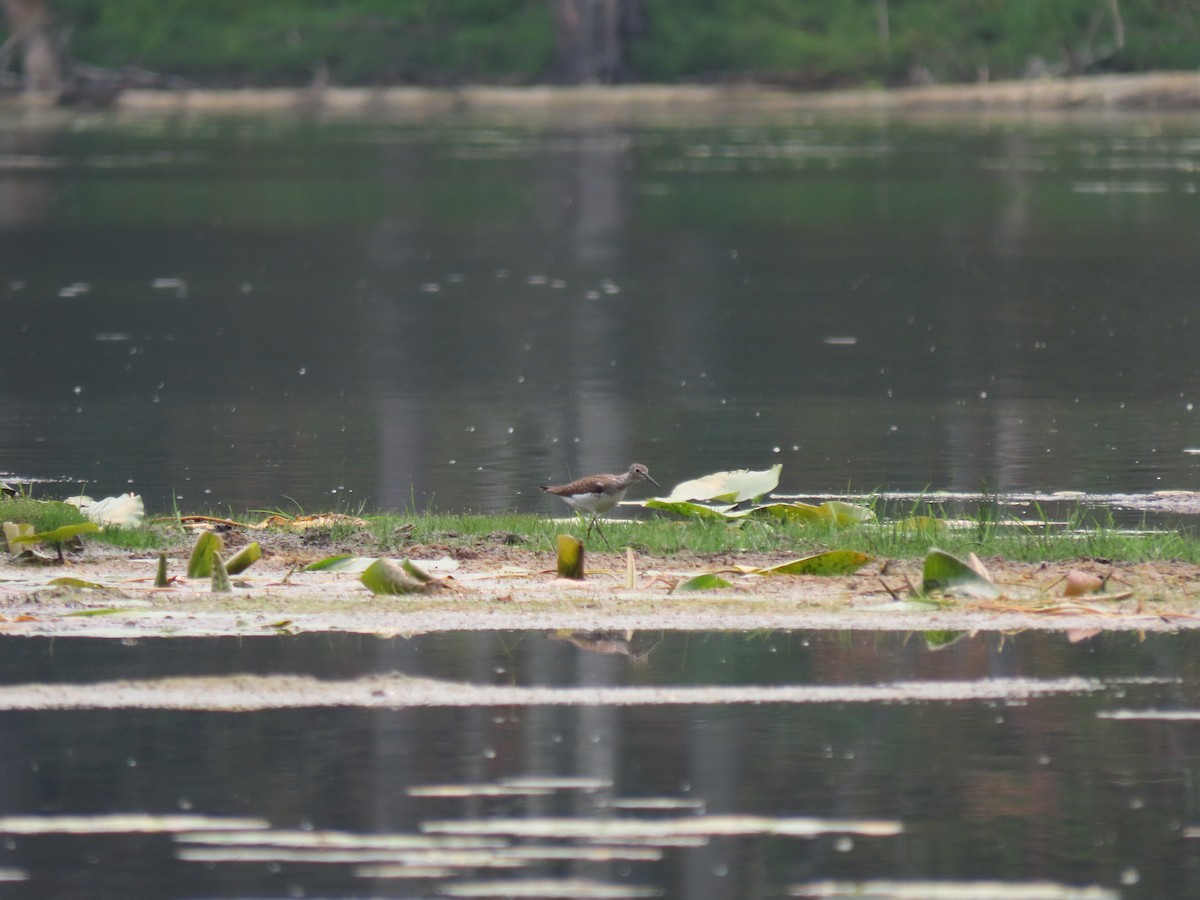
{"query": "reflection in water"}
pixel 733 799
pixel 452 315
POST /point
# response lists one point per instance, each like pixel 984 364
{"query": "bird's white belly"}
pixel 595 502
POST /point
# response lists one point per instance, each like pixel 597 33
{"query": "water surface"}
pixel 234 315
pixel 1046 789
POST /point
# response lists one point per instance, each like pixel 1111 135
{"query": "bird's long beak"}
pixel 653 482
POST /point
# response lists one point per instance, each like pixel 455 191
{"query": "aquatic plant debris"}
pixel 238 693
pixel 516 587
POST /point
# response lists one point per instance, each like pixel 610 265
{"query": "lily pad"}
pixel 695 510
pixel 836 511
pixel 728 487
pixel 830 562
pixel 948 574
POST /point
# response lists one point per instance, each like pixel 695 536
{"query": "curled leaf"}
pixel 244 558
pixel 220 577
pixel 415 571
pixel 948 574
pixel 386 577
pixel 208 546
pixel 570 557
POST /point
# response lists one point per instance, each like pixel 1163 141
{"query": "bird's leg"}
pixel 599 531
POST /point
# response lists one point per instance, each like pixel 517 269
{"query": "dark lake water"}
pixel 233 315
pixel 1049 789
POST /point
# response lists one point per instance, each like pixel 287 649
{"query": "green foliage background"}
pixel 810 42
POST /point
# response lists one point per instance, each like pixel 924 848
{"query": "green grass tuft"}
pixel 906 534
pixel 43 515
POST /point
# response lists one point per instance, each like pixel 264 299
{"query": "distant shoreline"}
pixel 1162 92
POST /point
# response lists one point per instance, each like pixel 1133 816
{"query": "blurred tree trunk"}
pixel 591 38
pixel 31 36
pixel 1118 24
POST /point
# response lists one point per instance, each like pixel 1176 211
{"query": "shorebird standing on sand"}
pixel 598 494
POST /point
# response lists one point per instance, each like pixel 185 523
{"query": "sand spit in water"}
pixel 498 587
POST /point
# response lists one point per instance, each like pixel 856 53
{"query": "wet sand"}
pixel 506 588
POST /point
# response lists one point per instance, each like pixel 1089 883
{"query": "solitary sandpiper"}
pixel 598 494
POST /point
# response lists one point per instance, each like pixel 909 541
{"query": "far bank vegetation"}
pixel 85 48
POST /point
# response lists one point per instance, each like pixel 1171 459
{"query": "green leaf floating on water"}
pixel 948 574
pixel 727 487
pixel 830 562
pixel 706 582
pixel 200 564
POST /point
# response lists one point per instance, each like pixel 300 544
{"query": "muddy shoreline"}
pixel 1153 92
pixel 503 588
